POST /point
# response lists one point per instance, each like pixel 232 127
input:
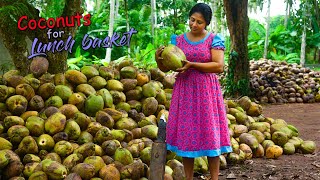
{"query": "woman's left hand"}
pixel 186 65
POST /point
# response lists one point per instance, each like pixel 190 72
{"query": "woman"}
pixel 197 124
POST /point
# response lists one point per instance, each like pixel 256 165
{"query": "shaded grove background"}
pixel 6 62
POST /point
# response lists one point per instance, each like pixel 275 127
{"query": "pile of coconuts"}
pixel 277 82
pixel 280 82
pixel 254 135
pixel 100 123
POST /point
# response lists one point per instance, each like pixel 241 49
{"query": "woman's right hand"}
pixel 159 59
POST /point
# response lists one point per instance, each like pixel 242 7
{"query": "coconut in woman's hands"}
pixel 186 65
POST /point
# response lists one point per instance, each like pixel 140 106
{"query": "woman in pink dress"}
pixel 197 124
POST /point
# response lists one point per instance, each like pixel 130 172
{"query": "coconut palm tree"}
pixel 238 25
pixel 111 22
pixel 266 42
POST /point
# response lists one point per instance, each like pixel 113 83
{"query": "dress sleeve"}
pixel 173 39
pixel 218 42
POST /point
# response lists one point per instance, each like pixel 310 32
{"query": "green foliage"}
pixel 9 15
pixel 175 12
pixel 255 40
pixel 82 60
pixel 145 58
pixel 290 58
pixel 52 8
pixel 4 67
pixel 219 14
pixel 284 43
pixel 233 87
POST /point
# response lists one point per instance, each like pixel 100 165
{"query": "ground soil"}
pixel 306 117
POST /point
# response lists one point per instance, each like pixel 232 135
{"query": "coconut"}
pixel 259 152
pixel 279 138
pixel 109 172
pixel 231 103
pixel 234 145
pixel 233 158
pixel 39 65
pixel 172 57
pixel 274 152
pixel 254 109
pixel 123 156
pixel 249 139
pixel 296 141
pixel 239 129
pixel 289 148
pixel 128 72
pixel 247 150
pixel 308 147
pixel 200 166
pixel 232 119
pixel 241 117
pixel 245 102
pixel 259 135
pixel 260 126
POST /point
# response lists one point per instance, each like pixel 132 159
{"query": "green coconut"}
pixel 114 85
pixel 93 104
pixel 150 131
pixel 86 89
pixel 244 102
pixel 308 147
pixel 289 148
pixel 89 71
pixel 279 138
pixel 76 77
pixel 200 166
pixel 149 106
pixel 259 135
pixel 250 140
pixel 172 57
pixel 123 155
pixel 126 123
pixel 107 97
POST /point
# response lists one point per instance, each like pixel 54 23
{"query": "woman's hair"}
pixel 203 9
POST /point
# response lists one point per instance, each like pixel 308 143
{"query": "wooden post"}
pixel 158 160
pixel 159 152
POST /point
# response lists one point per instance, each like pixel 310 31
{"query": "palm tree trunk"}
pixel 127 21
pixel 107 59
pixel 214 22
pixel 287 14
pixel 97 4
pixel 303 46
pixel 317 15
pixel 153 20
pixel 175 16
pixel 116 13
pixel 238 25
pixel 266 42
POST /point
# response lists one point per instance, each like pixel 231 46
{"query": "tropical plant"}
pixel 255 40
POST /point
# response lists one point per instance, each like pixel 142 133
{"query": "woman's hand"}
pixel 158 53
pixel 186 65
pixel 159 59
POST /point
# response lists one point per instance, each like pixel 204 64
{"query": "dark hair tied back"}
pixel 204 9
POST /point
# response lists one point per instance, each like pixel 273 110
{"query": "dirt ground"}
pixel 306 117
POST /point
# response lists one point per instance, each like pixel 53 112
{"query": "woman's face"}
pixel 197 23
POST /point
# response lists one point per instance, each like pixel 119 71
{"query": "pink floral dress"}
pixel 197 124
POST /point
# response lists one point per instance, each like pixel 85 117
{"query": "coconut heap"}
pixel 254 135
pixel 100 123
pixel 279 82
